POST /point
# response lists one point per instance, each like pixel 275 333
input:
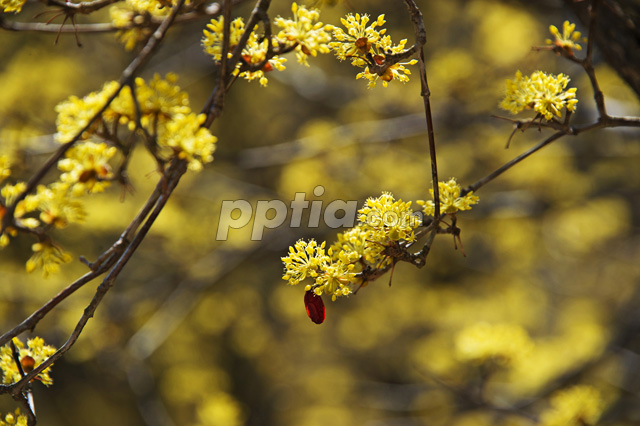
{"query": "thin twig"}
pixel 103 27
pixel 215 103
pixel 167 185
pixel 480 183
pixel 587 64
pixel 421 39
pixel 99 267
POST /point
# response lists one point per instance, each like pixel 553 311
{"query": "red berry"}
pixel 315 306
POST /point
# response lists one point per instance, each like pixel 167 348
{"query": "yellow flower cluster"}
pixel 450 199
pixel 31 356
pixel 128 20
pixel 133 18
pixel 86 167
pixel 499 343
pixel 212 40
pixel 383 222
pixel 544 93
pixel 309 260
pixel 160 110
pixel 57 204
pixel 75 113
pixel 253 53
pixel 580 405
pixel 161 104
pixel 15 6
pixel 152 7
pixel 190 141
pixel 57 207
pixel 569 38
pixel 305 32
pixel 48 257
pixel 14 419
pixel 366 45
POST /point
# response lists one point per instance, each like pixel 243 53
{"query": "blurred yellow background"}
pixel 204 332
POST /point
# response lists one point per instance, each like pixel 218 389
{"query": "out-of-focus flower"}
pixel 48 257
pixel 544 93
pixel 11 5
pixel 580 405
pixel 500 343
pixel 14 419
pixel 86 167
pixel 189 140
pixel 450 199
pixel 305 31
pixel 75 113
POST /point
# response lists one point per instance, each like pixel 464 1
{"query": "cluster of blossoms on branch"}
pixel 30 356
pixel 157 111
pixel 366 46
pixel 386 227
pixel 101 125
pixel 363 45
pixel 542 92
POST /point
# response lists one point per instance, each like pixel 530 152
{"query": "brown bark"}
pixel 617 34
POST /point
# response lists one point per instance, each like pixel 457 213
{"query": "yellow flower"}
pixel 57 205
pixel 189 140
pixel 48 257
pixel 350 246
pixel 159 101
pixel 500 343
pixel 577 406
pixel 31 356
pixel 253 53
pixel 14 419
pixel 212 40
pixel 86 167
pixel 28 204
pixel 156 8
pixel 394 72
pixel 123 16
pixel 544 93
pixel 304 260
pixel 309 260
pixel 11 5
pixel 10 192
pixel 358 40
pixel 450 199
pixel 309 35
pixel 334 279
pixel 568 39
pixel 74 113
pixel 367 46
pixel 5 167
pixel 385 221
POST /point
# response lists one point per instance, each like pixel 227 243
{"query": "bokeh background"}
pixel 205 332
